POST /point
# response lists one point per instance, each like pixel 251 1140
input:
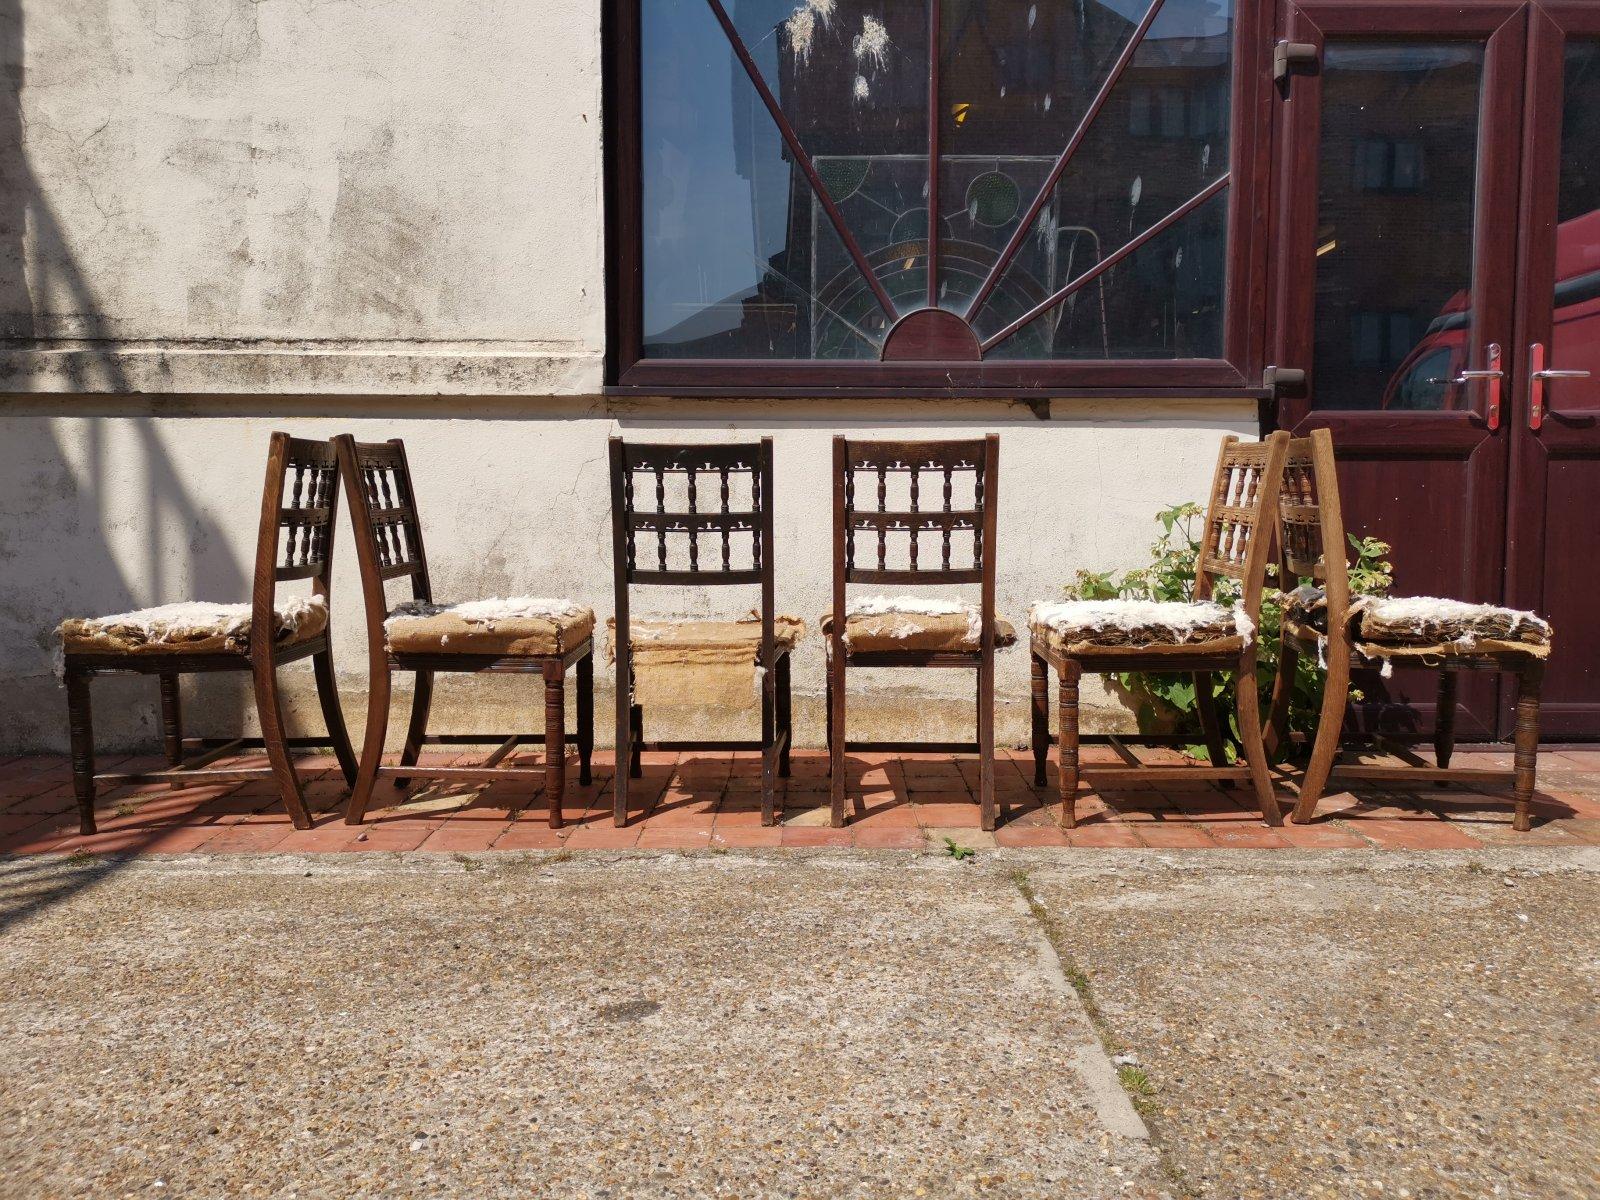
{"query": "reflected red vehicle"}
pixel 1426 379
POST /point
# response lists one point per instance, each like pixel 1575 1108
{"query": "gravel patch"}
pixel 1337 1025
pixel 510 1025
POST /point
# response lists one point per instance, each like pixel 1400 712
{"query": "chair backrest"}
pixel 1237 539
pixel 691 514
pixel 299 513
pixel 946 489
pixel 1311 523
pixel 383 513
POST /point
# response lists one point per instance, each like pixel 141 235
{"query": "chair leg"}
pixel 836 740
pixel 1325 747
pixel 585 674
pixel 988 814
pixel 171 722
pixel 417 728
pixel 1277 731
pixel 785 716
pixel 636 759
pixel 80 725
pixel 1255 750
pixel 1444 721
pixel 1039 693
pixel 380 685
pixel 269 710
pixel 555 740
pixel 624 747
pixel 333 715
pixel 1067 743
pixel 1210 722
pixel 769 764
pixel 1529 682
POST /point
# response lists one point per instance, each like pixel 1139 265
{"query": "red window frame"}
pixel 1236 374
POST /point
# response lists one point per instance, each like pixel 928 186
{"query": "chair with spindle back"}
pixel 1321 618
pixel 1198 637
pixel 517 635
pixel 656 540
pixel 906 631
pixel 299 508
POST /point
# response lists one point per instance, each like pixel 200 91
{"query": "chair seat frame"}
pixel 389 546
pixel 723 461
pixel 1311 520
pixel 1242 533
pixel 311 515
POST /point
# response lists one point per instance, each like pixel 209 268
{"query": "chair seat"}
pixel 874 624
pixel 516 627
pixel 705 641
pixel 1425 626
pixel 191 628
pixel 1125 626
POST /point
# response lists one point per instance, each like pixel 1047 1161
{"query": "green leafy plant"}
pixel 1167 703
pixel 957 851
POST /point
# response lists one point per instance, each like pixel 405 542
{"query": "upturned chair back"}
pixel 949 491
pixel 1311 524
pixel 679 514
pixel 299 514
pixel 1237 538
pixel 383 513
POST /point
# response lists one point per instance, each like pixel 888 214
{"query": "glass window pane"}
pixel 1396 186
pixel 1575 339
pixel 1161 137
pixel 733 262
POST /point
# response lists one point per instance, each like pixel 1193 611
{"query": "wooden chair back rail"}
pixel 1311 527
pixel 709 474
pixel 1245 484
pixel 303 486
pixel 388 532
pixel 877 461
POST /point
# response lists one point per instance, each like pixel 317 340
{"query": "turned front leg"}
pixel 1067 747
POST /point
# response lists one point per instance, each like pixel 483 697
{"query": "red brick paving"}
pixel 704 800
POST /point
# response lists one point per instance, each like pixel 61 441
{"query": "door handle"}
pixel 1538 377
pixel 1493 374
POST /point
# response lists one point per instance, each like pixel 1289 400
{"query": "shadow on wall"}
pixel 68 480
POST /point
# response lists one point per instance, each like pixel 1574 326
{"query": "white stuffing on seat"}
pixel 902 606
pixel 1182 617
pixel 487 612
pixel 190 619
pixel 1419 612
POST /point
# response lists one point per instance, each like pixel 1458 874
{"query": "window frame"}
pixel 1237 374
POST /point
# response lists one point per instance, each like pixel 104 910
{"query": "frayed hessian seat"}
pixel 889 623
pixel 700 662
pixel 1075 626
pixel 1385 627
pixel 191 628
pixel 518 626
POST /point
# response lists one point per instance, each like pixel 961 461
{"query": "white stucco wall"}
pixel 224 217
pixel 106 512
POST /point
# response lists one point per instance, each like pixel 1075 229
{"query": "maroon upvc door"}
pixel 1400 143
pixel 1553 546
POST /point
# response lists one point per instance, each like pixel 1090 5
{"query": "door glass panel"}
pixel 1575 338
pixel 1396 185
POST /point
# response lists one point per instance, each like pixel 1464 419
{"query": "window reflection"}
pixel 1575 339
pixel 1396 184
